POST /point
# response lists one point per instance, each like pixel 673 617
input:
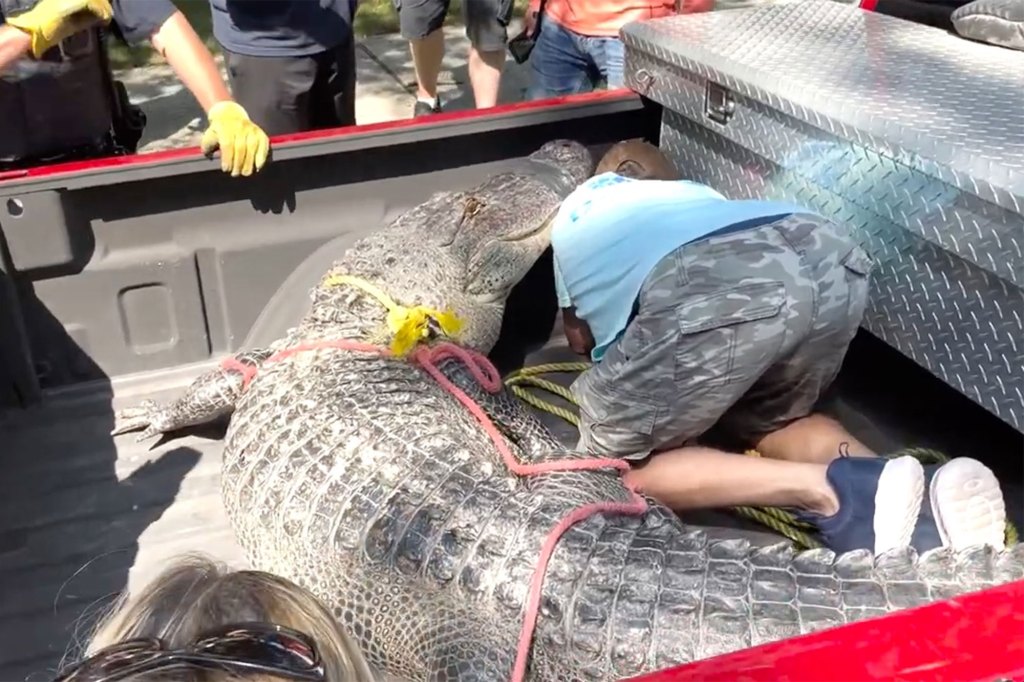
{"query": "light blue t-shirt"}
pixel 611 231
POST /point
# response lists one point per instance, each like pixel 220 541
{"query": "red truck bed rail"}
pixel 281 143
pixel 977 637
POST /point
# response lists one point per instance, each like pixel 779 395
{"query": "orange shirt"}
pixel 602 17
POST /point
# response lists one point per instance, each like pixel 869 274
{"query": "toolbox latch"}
pixel 719 105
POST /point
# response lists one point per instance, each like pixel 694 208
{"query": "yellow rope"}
pixel 777 519
pixel 408 326
pixel 528 377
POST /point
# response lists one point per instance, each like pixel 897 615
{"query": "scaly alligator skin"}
pixel 362 479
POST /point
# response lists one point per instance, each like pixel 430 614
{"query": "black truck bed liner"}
pixel 84 515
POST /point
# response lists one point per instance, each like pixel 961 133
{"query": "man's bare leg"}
pixel 816 438
pixel 485 75
pixel 703 478
pixel 875 505
pixel 427 54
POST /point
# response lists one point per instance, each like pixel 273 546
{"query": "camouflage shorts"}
pixel 741 331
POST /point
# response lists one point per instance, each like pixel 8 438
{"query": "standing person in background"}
pixel 577 41
pixel 291 63
pixel 244 147
pixel 422 24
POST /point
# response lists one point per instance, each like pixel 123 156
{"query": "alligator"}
pixel 360 476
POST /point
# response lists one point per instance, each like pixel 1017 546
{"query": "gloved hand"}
pixel 51 21
pixel 243 144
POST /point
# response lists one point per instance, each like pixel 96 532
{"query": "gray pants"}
pixel 286 95
pixel 742 331
pixel 486 20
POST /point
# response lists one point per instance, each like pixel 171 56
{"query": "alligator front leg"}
pixel 465 649
pixel 211 396
pixel 407 629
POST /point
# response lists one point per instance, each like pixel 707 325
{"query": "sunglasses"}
pixel 236 648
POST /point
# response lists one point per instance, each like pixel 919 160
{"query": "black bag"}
pixel 521 45
pixel 65 105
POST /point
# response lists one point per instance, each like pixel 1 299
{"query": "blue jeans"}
pixel 565 63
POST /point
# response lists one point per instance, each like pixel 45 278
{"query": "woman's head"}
pixel 196 595
pixel 638 160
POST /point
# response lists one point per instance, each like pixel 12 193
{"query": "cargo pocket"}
pixel 725 335
pixel 857 266
pixel 614 421
pixel 618 428
pixel 858 261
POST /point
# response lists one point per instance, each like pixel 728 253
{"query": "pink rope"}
pixel 248 371
pixel 487 376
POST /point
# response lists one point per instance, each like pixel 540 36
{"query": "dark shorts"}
pixel 486 20
pixel 742 331
pixel 286 95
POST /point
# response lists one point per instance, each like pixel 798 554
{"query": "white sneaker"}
pixel 968 505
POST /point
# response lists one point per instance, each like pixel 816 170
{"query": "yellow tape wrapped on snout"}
pixel 408 326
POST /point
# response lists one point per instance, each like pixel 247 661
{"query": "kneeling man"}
pixel 705 315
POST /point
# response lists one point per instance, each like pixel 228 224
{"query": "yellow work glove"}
pixel 243 144
pixel 51 21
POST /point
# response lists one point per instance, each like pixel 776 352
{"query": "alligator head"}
pixel 462 251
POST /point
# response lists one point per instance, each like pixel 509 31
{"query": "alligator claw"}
pixel 132 425
pixel 135 418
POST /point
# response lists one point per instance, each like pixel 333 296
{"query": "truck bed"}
pixel 84 515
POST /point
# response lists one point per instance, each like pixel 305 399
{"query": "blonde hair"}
pixel 637 159
pixel 196 593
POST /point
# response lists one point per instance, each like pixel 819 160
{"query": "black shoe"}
pixel 424 109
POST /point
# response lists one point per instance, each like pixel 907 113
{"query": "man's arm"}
pixel 531 17
pixel 14 45
pixel 564 300
pixel 577 332
pixel 243 145
pixel 46 24
pixel 178 43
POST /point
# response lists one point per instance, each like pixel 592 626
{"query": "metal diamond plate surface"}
pixel 946 230
pixel 949 101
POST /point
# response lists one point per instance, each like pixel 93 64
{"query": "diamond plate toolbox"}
pixel 911 136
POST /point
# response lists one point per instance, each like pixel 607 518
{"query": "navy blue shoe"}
pixel 879 503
